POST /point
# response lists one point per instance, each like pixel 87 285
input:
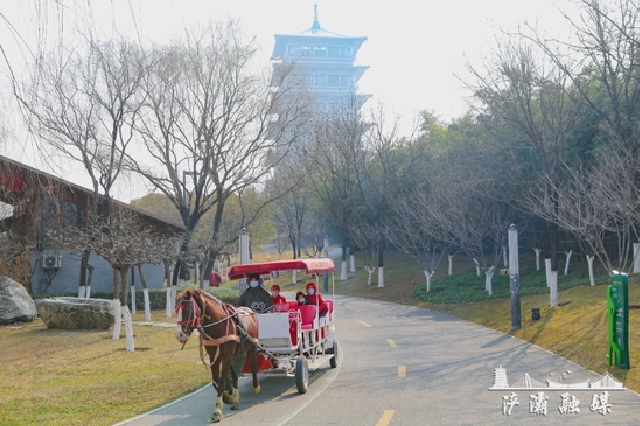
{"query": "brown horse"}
pixel 216 323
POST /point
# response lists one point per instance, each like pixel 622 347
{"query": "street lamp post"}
pixel 516 315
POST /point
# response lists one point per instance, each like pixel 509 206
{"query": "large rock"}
pixel 15 303
pixel 73 313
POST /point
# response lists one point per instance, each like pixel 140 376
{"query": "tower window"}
pixel 334 80
pixel 333 52
pixel 294 50
pixel 345 52
pixel 320 51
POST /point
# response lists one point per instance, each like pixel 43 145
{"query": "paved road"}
pixel 402 365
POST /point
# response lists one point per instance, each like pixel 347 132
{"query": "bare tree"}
pixel 531 93
pixel 413 229
pixel 339 144
pixel 208 116
pixel 366 236
pixel 597 205
pixel 84 107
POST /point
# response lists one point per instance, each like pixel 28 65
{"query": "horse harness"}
pixel 205 340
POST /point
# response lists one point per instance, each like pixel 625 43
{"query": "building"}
pixel 36 204
pixel 327 60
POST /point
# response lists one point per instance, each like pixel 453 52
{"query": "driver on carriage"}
pixel 256 297
pixel 313 297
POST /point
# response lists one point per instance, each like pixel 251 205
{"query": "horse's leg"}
pixel 218 384
pixel 225 363
pixel 253 353
pixel 235 394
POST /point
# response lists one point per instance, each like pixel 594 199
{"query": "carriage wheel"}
pixel 302 375
pixel 333 362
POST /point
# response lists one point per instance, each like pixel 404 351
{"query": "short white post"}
pixel 352 264
pixel 133 299
pixel 553 275
pixel 115 303
pixel 547 268
pixel 537 259
pixel 380 276
pixel 147 305
pixel 450 271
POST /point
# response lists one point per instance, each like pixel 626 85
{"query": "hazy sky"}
pixel 415 49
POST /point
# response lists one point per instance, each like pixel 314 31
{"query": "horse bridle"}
pixel 196 321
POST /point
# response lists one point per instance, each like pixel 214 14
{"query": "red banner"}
pixel 11 182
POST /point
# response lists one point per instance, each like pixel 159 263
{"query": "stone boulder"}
pixel 73 313
pixel 15 303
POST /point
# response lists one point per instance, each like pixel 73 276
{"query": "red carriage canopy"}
pixel 311 266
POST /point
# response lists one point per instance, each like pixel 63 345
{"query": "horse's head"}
pixel 189 315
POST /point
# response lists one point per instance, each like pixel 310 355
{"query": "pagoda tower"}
pixel 328 61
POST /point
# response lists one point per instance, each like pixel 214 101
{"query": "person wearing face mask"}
pixel 314 298
pixel 256 297
pixel 276 298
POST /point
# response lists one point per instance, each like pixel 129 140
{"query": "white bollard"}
pixel 547 268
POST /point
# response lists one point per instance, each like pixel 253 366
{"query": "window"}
pixel 73 215
pixel 334 80
pixel 294 51
pixel 333 52
pixel 306 51
pixel 320 51
pixel 49 215
pixel 321 80
pixel 345 52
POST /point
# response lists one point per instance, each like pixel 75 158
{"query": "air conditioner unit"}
pixel 52 262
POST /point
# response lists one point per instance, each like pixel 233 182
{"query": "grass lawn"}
pixel 576 330
pixel 58 377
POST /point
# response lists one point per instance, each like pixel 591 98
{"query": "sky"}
pixel 416 51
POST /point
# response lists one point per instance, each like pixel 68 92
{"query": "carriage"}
pixel 292 336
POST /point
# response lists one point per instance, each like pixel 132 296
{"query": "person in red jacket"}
pixel 313 296
pixel 275 295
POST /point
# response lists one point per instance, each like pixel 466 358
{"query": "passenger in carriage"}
pixel 312 297
pixel 300 298
pixel 276 298
pixel 256 297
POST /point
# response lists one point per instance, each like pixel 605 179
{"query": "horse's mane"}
pixel 201 294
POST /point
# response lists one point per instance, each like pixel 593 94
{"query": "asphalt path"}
pixel 402 365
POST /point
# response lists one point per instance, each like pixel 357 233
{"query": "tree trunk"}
pixel 381 245
pixel 125 288
pixel 145 290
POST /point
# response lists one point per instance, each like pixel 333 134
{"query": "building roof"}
pixel 143 213
pixel 316 30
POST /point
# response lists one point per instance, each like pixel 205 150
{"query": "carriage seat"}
pixel 293 304
pixel 330 305
pixel 281 307
pixel 308 314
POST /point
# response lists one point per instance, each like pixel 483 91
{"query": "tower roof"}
pixel 316 29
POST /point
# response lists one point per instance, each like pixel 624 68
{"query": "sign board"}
pixel 618 316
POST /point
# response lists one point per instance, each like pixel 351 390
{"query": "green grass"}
pixel 466 286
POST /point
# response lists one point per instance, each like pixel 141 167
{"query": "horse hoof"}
pixel 216 416
pixel 234 406
pixel 256 390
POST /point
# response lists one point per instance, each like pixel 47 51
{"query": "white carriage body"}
pixel 289 336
